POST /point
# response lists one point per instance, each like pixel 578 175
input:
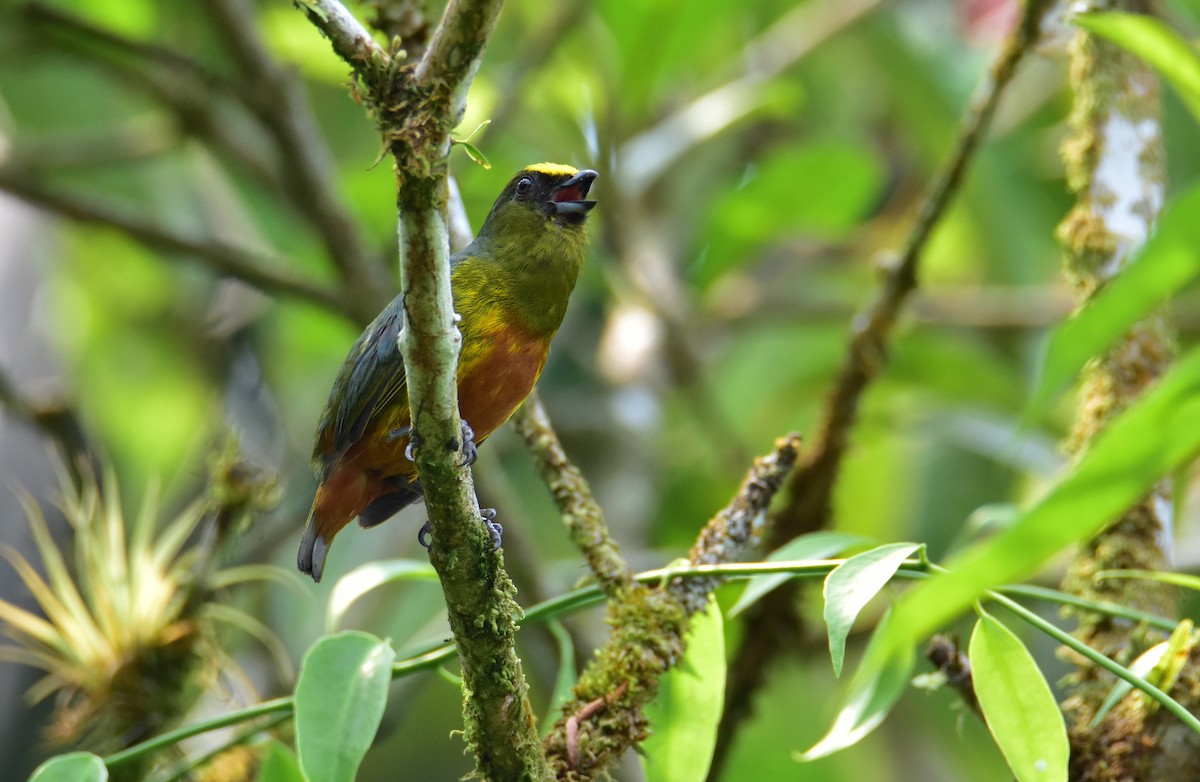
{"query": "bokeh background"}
pixel 758 162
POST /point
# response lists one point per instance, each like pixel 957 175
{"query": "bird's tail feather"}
pixel 313 549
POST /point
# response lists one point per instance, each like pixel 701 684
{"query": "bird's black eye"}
pixel 524 185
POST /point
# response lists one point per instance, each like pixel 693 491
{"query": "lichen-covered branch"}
pixel 1114 160
pixel 415 107
pixel 649 625
pixel 580 512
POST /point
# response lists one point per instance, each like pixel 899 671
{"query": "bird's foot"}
pixel 486 515
pixel 470 452
pixel 395 434
pixel 414 444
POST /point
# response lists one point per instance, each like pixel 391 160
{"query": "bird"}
pixel 510 287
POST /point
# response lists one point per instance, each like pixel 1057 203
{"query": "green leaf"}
pixel 364 578
pixel 279 764
pixel 814 545
pixel 340 695
pixel 1160 46
pixel 690 699
pixel 873 691
pixel 72 767
pixel 823 188
pixel 852 584
pixel 1017 704
pixel 474 153
pixel 1115 472
pixel 1166 263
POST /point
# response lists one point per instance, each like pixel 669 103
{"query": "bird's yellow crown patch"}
pixel 552 169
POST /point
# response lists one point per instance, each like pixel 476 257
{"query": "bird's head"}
pixel 542 197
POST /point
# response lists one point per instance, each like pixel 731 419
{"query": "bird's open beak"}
pixel 570 197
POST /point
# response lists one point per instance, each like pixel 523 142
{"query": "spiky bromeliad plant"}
pixel 126 634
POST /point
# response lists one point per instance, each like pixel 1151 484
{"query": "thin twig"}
pixel 581 513
pixel 257 269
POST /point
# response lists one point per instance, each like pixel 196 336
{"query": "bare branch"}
pixel 254 268
pixel 580 513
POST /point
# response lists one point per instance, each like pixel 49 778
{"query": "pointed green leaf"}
pixel 364 578
pixel 852 584
pixel 279 764
pixel 814 545
pixel 73 767
pixel 1160 46
pixel 340 696
pixel 1166 263
pixel 1017 704
pixel 1115 472
pixel 690 699
pixel 873 691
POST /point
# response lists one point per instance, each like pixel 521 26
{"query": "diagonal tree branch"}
pixel 580 512
pixel 810 488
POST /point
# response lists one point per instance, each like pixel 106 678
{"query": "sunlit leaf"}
pixel 1165 264
pixel 814 545
pixel 873 691
pixel 1017 704
pixel 852 584
pixel 1115 472
pixel 340 695
pixel 74 767
pixel 364 578
pixel 691 696
pixel 1156 43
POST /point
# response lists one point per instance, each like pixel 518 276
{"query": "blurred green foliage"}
pixel 749 250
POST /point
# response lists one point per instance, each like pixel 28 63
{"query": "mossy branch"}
pixel 581 513
pixel 649 625
pixel 415 107
pixel 1114 160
